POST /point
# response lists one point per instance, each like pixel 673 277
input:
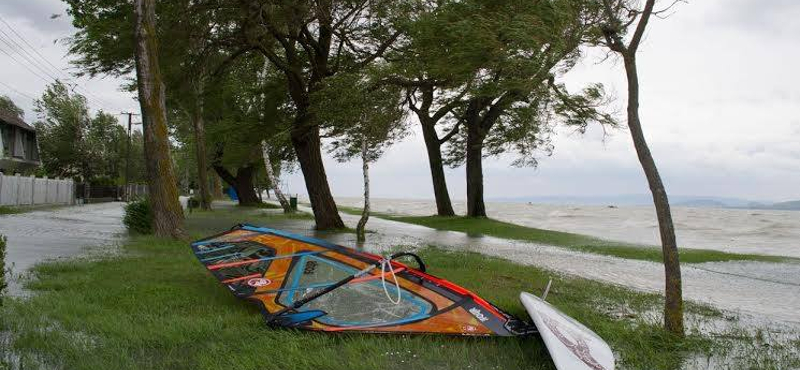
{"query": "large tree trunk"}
pixel 242 182
pixel 216 186
pixel 200 144
pixel 361 232
pixel 161 182
pixel 475 205
pixel 443 205
pixel 307 146
pixel 673 304
pixel 273 180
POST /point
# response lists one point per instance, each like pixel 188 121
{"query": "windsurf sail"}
pixel 312 284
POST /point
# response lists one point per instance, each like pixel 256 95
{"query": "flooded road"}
pixel 55 233
pixel 762 290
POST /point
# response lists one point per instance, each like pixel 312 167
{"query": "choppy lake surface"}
pixel 731 230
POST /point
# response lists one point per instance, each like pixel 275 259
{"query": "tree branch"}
pixel 637 35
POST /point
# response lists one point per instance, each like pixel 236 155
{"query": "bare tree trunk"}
pixel 162 186
pixel 475 204
pixel 362 223
pixel 673 304
pixel 307 146
pixel 273 180
pixel 216 187
pixel 200 144
pixel 443 205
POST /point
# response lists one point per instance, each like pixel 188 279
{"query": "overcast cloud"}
pixel 720 108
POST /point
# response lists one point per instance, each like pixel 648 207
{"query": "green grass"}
pixel 155 307
pixel 9 210
pixel 583 243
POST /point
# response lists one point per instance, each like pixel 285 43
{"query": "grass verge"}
pixel 9 210
pixel 155 307
pixel 583 243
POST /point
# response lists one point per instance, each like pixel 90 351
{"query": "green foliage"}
pixel 8 105
pixel 353 107
pixel 139 216
pixel 72 143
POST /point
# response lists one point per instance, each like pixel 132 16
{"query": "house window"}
pixel 5 141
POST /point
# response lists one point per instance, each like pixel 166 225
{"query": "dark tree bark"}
pixel 216 187
pixel 479 118
pixel 307 146
pixel 200 145
pixel 242 182
pixel 161 181
pixel 433 145
pixel 474 153
pixel 673 293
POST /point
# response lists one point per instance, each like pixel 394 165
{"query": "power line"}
pixel 17 91
pixel 29 45
pixel 40 66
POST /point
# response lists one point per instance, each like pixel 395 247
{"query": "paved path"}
pixel 40 235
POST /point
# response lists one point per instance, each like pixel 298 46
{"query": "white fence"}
pixel 30 191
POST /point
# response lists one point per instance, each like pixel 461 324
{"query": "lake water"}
pixel 730 230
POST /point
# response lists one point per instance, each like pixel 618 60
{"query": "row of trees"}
pixel 248 80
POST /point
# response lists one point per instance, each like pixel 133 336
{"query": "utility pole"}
pixel 128 155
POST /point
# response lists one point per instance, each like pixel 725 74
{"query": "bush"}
pixel 139 216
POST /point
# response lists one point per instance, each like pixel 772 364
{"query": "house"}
pixel 18 147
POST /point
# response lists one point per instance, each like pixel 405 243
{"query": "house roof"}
pixel 12 119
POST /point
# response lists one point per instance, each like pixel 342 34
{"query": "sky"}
pixel 720 107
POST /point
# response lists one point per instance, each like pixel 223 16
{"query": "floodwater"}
pixel 56 233
pixel 731 230
pixel 762 290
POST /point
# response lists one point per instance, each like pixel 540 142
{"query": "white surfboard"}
pixel 571 345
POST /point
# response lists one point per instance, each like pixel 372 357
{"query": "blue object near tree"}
pixel 232 193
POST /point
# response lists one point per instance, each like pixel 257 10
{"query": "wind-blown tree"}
pixel 364 118
pixel 496 93
pixel 73 144
pixel 8 105
pixel 620 16
pixel 161 182
pixel 104 46
pixel 309 42
pixel 246 107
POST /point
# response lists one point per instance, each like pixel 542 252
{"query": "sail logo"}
pixel 478 314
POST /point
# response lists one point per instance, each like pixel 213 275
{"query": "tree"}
pixel 309 42
pixel 273 180
pixel 8 105
pixel 486 69
pixel 163 191
pixel 622 14
pixel 380 122
pixel 73 144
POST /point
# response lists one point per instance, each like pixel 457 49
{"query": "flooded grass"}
pixel 155 307
pixel 583 243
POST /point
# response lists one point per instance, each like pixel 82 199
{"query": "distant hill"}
pixel 646 199
pixel 787 206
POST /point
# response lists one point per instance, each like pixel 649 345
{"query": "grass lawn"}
pixel 153 306
pixel 500 229
pixel 9 210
